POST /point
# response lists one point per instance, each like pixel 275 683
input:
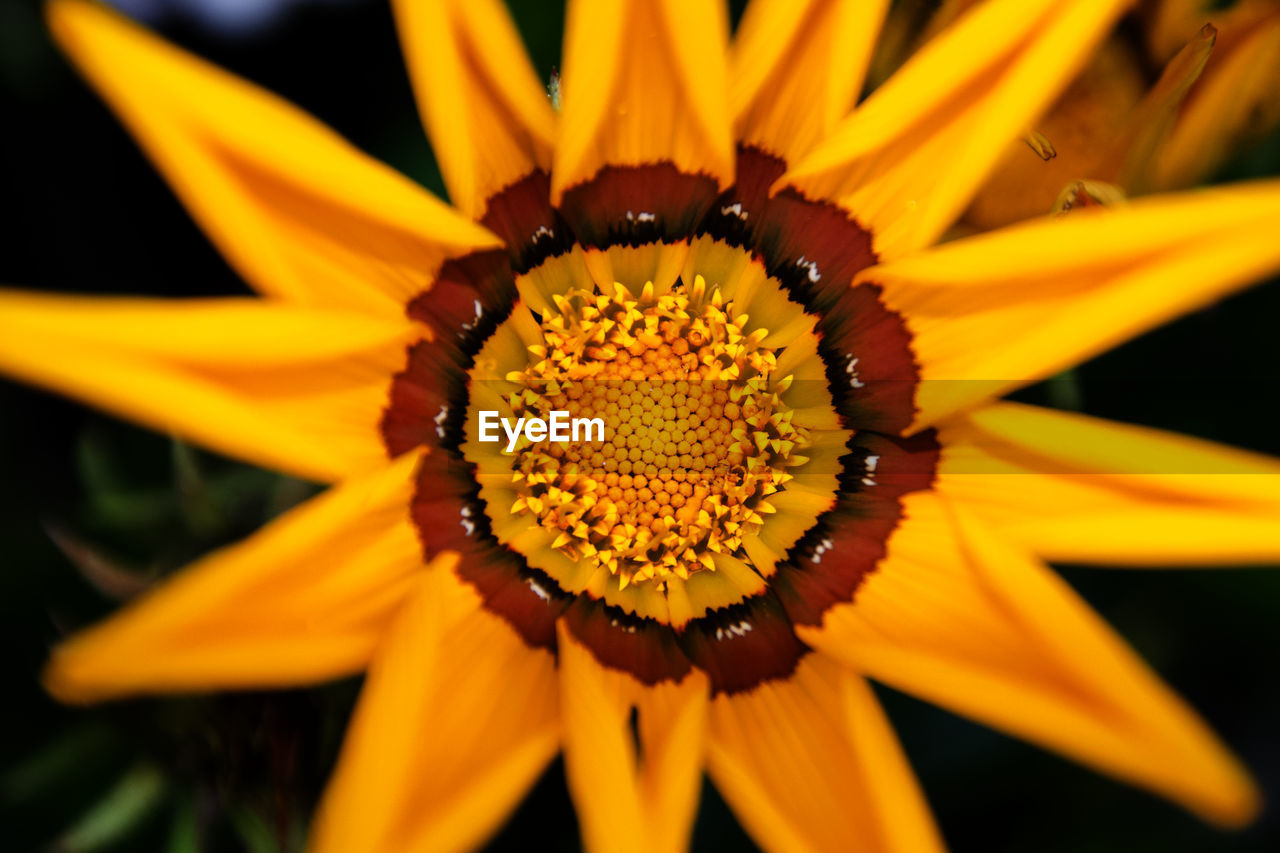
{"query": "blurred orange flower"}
pixel 1114 136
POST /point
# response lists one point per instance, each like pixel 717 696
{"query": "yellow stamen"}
pixel 695 440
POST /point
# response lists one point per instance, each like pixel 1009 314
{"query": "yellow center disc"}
pixel 695 441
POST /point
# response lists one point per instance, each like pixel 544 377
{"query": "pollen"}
pixel 696 437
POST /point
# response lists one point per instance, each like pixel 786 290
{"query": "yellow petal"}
pixel 1081 490
pixel 812 764
pixel 304 600
pixel 960 616
pixel 994 312
pixel 289 387
pixel 626 803
pixel 644 81
pixel 457 719
pixel 796 69
pixel 488 117
pixel 298 211
pixel 672 721
pixel 909 159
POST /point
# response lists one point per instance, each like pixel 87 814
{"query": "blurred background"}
pixel 92 510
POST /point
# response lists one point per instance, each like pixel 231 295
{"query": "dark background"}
pixel 86 213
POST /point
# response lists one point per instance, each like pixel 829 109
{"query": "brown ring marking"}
pixel 641 647
pixel 830 561
pixel 635 205
pixel 740 646
pixel 522 215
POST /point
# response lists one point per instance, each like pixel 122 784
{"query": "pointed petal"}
pixel 625 803
pixel 644 82
pixel 457 719
pixel 908 160
pixel 962 617
pixel 1130 164
pixel 1236 99
pixel 289 387
pixel 296 210
pixel 304 600
pixel 600 759
pixel 991 313
pixel 672 733
pixel 811 763
pixel 796 69
pixel 1081 490
pixel 488 117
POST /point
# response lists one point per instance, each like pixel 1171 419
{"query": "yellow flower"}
pixel 711 223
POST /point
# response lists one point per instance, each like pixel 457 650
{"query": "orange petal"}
pixel 290 387
pixel 1136 148
pixel 812 764
pixel 1237 98
pixel 796 69
pixel 997 311
pixel 962 617
pixel 625 803
pixel 488 117
pixel 1077 489
pixel 644 81
pixel 1081 128
pixel 907 161
pixel 296 210
pixel 457 719
pixel 304 600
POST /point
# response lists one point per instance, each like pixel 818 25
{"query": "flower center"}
pixel 696 435
pixel 740 474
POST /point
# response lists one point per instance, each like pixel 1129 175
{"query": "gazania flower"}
pixel 806 477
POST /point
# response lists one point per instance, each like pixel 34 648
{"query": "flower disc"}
pixel 742 478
